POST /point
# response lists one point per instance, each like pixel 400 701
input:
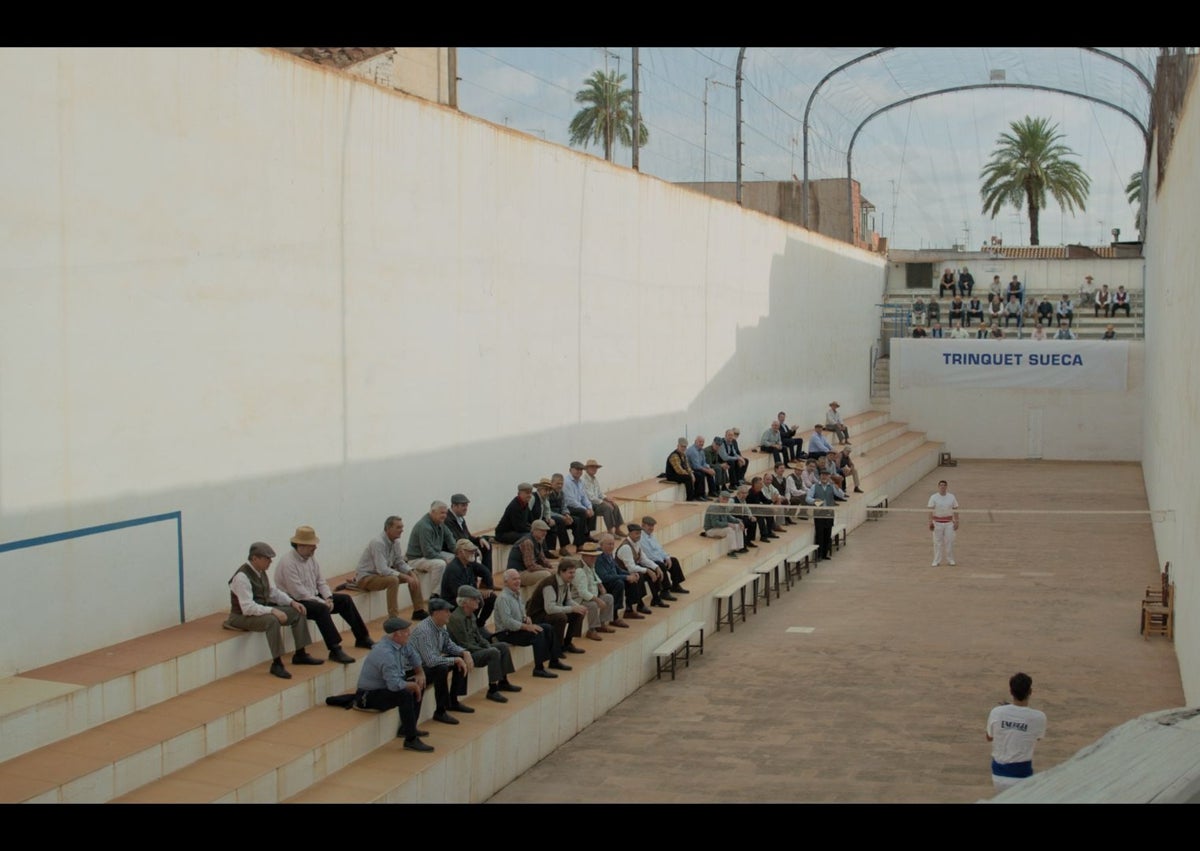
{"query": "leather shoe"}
pixel 559 666
pixel 593 635
pixel 605 628
pixel 632 615
pixel 421 733
pixel 679 589
pixel 277 670
pixel 571 648
pixel 542 673
pixel 445 717
pixel 340 655
pixel 505 685
pixel 668 596
pixel 417 745
pixel 460 707
pixel 644 609
pixel 364 643
pixel 751 545
pixel 496 696
pixel 659 604
pixel 302 658
pixel 858 490
pixel 617 622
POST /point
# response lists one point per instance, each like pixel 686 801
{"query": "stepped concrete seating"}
pixel 190 714
pixel 1087 325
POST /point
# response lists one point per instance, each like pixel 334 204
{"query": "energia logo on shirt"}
pixel 1014 725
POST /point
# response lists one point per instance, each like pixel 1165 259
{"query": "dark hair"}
pixel 1020 685
pixel 943 482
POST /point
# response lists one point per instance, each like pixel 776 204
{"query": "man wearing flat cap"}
pixel 299 576
pixel 578 505
pixel 392 676
pixel 529 555
pixel 456 521
pixel 465 632
pixel 601 504
pixel 446 664
pixel 513 626
pixel 465 570
pixel 518 516
pixel 653 549
pixel 257 606
pixel 430 545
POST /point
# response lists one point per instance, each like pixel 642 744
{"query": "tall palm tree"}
pixel 1133 192
pixel 1027 163
pixel 607 115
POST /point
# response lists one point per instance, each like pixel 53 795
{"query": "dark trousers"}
pixel 617 588
pixel 404 700
pixel 706 484
pixel 540 642
pixel 672 569
pixel 583 525
pixel 685 480
pixel 511 537
pixel 1118 306
pixel 978 314
pixel 448 683
pixel 565 628
pixel 823 534
pixel 793 448
pixel 778 455
pixel 559 535
pixel 343 605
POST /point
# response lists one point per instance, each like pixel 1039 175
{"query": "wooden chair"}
pixel 1158 618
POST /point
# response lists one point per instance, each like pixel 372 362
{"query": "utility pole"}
pixel 738 80
pixel 637 119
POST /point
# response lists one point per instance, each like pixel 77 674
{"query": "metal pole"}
pixel 741 57
pixel 637 120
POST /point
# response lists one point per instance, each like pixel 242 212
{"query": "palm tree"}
pixel 1133 192
pixel 1025 165
pixel 607 114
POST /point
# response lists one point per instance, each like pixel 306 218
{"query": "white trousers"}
pixel 735 531
pixel 943 542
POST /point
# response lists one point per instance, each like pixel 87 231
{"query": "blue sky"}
pixel 918 163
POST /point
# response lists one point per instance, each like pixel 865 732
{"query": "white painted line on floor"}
pixel 986 576
pixel 805 629
pixel 1033 573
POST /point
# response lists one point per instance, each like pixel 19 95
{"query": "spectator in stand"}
pixel 1015 287
pixel 1012 311
pixel 997 333
pixel 1064 332
pixel 751 518
pixel 772 441
pixel 958 310
pixel 1039 332
pixel 730 454
pixel 465 569
pixel 1045 311
pixel 760 502
pixel 719 522
pixel 431 545
pixel 933 311
pixel 947 283
pixel 958 332
pixel 627 589
pixel 601 504
pixel 712 458
pixel 528 555
pixel 465 631
pixel 983 332
pixel 579 506
pixel 456 521
pixel 966 282
pixel 1065 310
pixel 630 554
pixel 795 487
pixel 382 568
pixel 561 528
pixel 590 591
pixel 829 464
pixel 1029 312
pixel 792 446
pixel 833 422
pixel 383 682
pixel 937 332
pixel 517 517
pixel 1103 302
pixel 847 469
pixel 678 469
pixel 919 333
pixel 1120 301
pixel 917 315
pixel 516 628
pixel 818 446
pixel 1087 292
pixel 704 476
pixel 299 576
pixel 774 488
pixel 553 602
pixel 974 311
pixel 1110 332
pixel 446 665
pixel 668 563
pixel 256 606
pixel 995 289
pixel 995 310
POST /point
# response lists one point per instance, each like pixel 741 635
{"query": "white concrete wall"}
pixel 1170 459
pixel 998 422
pixel 264 294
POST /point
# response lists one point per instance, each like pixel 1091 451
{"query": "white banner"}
pixel 1034 364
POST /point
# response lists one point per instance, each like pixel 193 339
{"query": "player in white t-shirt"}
pixel 943 523
pixel 1014 729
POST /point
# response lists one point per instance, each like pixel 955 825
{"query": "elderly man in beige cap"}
pixel 833 421
pixel 589 590
pixel 255 605
pixel 601 504
pixel 299 576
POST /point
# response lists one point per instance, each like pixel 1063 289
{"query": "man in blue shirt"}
pixel 669 564
pixel 578 505
pixel 384 682
pixel 706 476
pixel 818 446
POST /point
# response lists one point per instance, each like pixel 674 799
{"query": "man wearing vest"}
pixel 256 606
pixel 824 493
pixel 528 555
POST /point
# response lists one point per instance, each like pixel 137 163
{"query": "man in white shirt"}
pixel 1014 729
pixel 601 504
pixel 258 607
pixel 943 523
pixel 833 422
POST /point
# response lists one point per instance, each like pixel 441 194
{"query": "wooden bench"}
pixel 839 534
pixel 769 572
pixel 678 643
pixel 799 560
pixel 725 602
pixel 875 510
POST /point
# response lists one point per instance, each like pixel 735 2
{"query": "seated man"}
pixel 590 591
pixel 1015 287
pixel 1110 332
pixel 465 569
pixel 1120 301
pixel 772 441
pixel 966 282
pixel 919 333
pixel 1045 311
pixel 383 682
pixel 1029 315
pixel 847 469
pixel 937 332
pixel 1064 332
pixel 933 311
pixel 793 447
pixel 299 576
pixel 995 311
pixel 833 422
pixel 995 288
pixel 446 665
pixel 679 469
pixel 818 446
pixel 1039 332
pixel 528 555
pixel 712 458
pixel 518 516
pixel 917 315
pixel 753 523
pixel 382 568
pixel 654 551
pixel 1065 310
pixel 552 603
pixel 601 504
pixel 719 522
pixel 974 311
pixel 704 476
pixel 456 522
pixel 729 454
pixel 947 283
pixel 796 488
pixel 465 631
pixel 759 499
pixel 516 628
pixel 579 506
pixel 256 606
pixel 1103 302
pixel 829 464
pixel 997 333
pixel 958 310
pixel 629 555
pixel 627 589
pixel 431 545
pixel 559 537
pixel 958 332
pixel 1012 311
pixel 774 487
